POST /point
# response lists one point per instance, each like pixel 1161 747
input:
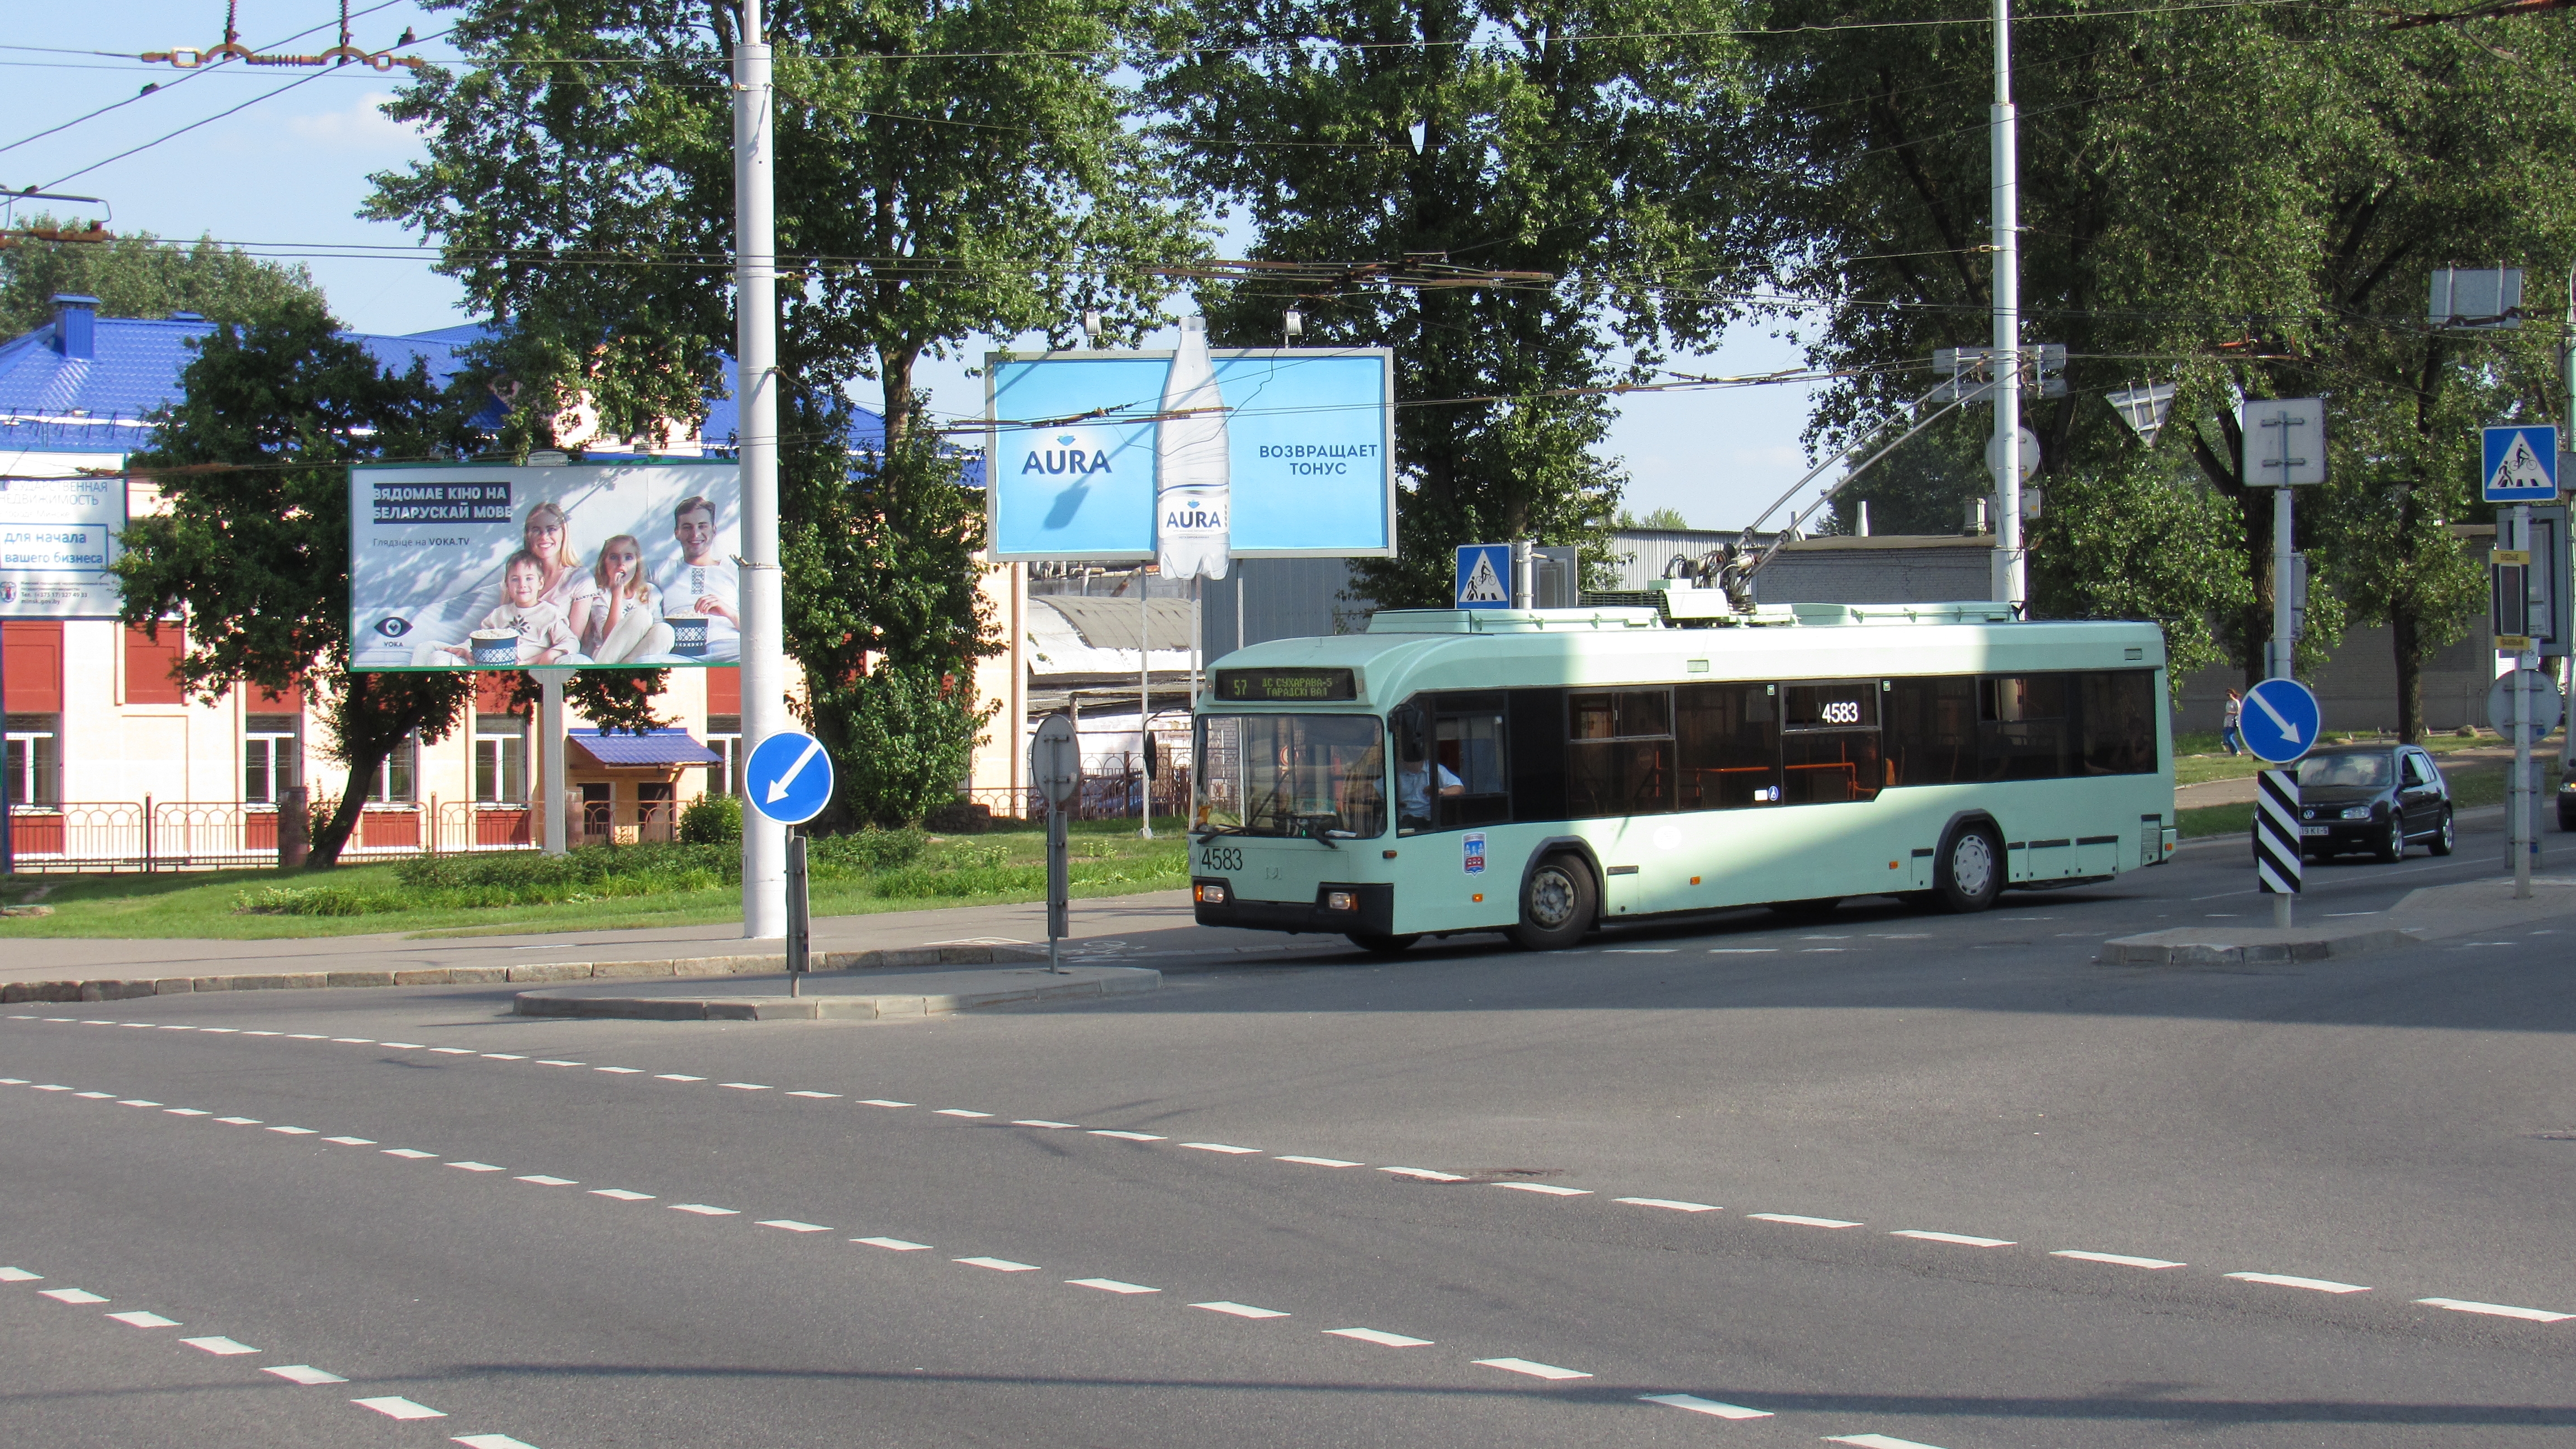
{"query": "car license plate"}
pixel 2316 830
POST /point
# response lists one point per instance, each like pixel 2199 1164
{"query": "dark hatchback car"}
pixel 2374 799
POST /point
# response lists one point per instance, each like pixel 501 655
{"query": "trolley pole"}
pixel 764 667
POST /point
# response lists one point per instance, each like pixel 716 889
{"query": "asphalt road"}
pixel 1732 1182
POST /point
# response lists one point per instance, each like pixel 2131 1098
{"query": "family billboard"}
pixel 468 566
pixel 1192 456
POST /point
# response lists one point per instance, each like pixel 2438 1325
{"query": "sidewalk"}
pixel 2434 913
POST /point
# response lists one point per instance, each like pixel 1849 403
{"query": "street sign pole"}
pixel 2519 800
pixel 2004 166
pixel 764 662
pixel 2520 468
pixel 1055 762
pixel 2280 723
pixel 800 924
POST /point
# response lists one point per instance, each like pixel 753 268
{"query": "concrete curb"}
pixel 1090 981
pixel 2155 949
pixel 129 988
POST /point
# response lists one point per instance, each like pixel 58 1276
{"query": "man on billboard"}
pixel 709 584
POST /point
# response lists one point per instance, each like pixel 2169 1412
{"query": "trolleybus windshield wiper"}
pixel 1320 827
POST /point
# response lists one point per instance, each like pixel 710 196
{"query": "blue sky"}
pixel 285 176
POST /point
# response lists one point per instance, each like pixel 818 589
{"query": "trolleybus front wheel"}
pixel 1557 906
pixel 1377 945
pixel 1969 872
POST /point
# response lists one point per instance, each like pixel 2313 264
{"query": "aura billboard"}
pixel 468 566
pixel 1193 456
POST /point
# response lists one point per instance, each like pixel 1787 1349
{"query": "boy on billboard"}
pixel 523 629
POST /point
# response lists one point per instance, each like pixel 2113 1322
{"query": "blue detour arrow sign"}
pixel 788 778
pixel 2280 720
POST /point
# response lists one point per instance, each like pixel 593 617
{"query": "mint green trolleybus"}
pixel 1544 772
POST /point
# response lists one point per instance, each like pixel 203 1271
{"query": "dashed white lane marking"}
pixel 56 1087
pixel 1240 1310
pixel 405 1046
pixel 303 1373
pixel 1551 1189
pixel 897 1245
pixel 1051 1126
pixel 2498 1310
pixel 619 1071
pixel 1744 950
pixel 355 1040
pixel 621 1194
pixel 1875 1441
pixel 411 1152
pixel 475 1166
pixel 220 1030
pixel 1426 1174
pixel 1962 1239
pixel 1319 1161
pixel 442 1051
pixel 352 1141
pixel 1698 1405
pixel 813 1094
pixel 144 1318
pixel 704 1211
pixel 490 1441
pixel 792 1226
pixel 178 1028
pixel 959 1112
pixel 998 1265
pixel 1384 1340
pixel 95 1096
pixel 545 1063
pixel 880 1102
pixel 1666 1202
pixel 304 1036
pixel 13 1081
pixel 1802 1222
pixel 1221 1147
pixel 2320 1285
pixel 239 1121
pixel 297 1131
pixel 676 1077
pixel 393 1407
pixel 1534 1370
pixel 1125 1136
pixel 72 1295
pixel 1111 1285
pixel 744 1086
pixel 218 1345
pixel 20 1275
pixel 1640 950
pixel 2121 1259
pixel 541 1180
pixel 186 1111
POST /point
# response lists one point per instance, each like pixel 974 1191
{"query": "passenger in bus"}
pixel 1413 783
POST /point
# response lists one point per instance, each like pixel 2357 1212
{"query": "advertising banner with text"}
pixel 58 535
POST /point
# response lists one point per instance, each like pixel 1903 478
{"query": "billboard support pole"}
pixel 764 692
pixel 556 795
pixel 1144 705
pixel 8 812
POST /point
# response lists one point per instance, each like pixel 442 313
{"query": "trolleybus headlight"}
pixel 1212 895
pixel 1341 900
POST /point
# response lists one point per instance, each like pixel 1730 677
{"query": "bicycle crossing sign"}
pixel 1484 576
pixel 2521 464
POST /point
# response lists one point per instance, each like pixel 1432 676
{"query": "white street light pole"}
pixel 2011 583
pixel 764 668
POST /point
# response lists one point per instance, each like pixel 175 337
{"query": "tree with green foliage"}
pixel 1589 145
pixel 2243 201
pixel 943 170
pixel 143 276
pixel 1667 520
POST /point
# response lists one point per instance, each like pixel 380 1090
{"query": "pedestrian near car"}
pixel 2229 721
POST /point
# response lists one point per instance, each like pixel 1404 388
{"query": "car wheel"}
pixel 1969 872
pixel 1377 945
pixel 1557 906
pixel 2446 839
pixel 2393 847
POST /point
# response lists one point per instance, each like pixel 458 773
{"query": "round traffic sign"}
pixel 2029 454
pixel 2546 706
pixel 1055 760
pixel 788 778
pixel 2280 720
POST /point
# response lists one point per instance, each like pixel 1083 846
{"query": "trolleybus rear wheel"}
pixel 1969 872
pixel 1377 945
pixel 1557 906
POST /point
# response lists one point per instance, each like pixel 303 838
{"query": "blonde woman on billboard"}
pixel 623 622
pixel 568 584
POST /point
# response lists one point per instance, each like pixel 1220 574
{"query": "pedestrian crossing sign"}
pixel 1484 576
pixel 2521 464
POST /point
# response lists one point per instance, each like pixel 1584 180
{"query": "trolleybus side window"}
pixel 1930 732
pixel 1619 759
pixel 1729 750
pixel 2119 722
pixel 1538 754
pixel 1829 742
pixel 2023 726
pixel 1468 745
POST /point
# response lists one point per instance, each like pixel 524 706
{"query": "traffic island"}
pixel 2431 914
pixel 838 997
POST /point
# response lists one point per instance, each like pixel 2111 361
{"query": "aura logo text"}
pixel 1068 459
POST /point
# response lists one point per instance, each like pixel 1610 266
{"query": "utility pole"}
pixel 2011 581
pixel 755 271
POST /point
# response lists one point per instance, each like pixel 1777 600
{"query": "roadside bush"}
pixel 712 820
pixel 320 900
pixel 862 852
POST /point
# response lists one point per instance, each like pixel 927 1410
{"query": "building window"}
pixel 724 736
pixel 500 759
pixel 271 756
pixel 35 760
pixel 396 777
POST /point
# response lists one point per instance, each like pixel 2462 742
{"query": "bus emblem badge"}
pixel 1476 853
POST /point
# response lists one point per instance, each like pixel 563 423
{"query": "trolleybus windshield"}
pixel 1319 775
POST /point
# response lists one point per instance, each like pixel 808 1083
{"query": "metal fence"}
pixel 155 835
pixel 1110 785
